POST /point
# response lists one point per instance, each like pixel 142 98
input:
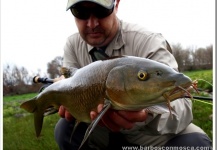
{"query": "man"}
pixel 101 31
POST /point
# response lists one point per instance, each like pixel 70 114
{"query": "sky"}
pixel 34 32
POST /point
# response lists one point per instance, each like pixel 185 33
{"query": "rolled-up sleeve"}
pixel 175 121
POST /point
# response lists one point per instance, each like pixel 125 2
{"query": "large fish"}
pixel 129 83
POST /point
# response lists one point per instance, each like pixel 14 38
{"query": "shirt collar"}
pixel 115 44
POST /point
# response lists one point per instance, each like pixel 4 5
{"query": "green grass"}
pixel 19 133
pixel 19 97
pixel 202 111
pixel 18 127
pixel 204 77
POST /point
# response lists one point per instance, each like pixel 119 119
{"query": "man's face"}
pixel 94 28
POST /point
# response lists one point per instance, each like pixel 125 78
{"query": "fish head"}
pixel 143 82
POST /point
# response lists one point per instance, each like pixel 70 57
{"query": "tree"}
pixel 54 67
pixel 202 58
pixel 17 81
pixel 182 57
pixel 192 59
pixel 209 56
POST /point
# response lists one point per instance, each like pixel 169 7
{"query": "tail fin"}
pixel 31 106
pixel 38 121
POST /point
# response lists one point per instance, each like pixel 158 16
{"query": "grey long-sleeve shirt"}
pixel 134 40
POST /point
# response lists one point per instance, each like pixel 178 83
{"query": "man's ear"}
pixel 116 5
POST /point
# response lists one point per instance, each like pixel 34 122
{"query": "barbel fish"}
pixel 128 83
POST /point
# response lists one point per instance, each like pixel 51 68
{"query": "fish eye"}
pixel 142 75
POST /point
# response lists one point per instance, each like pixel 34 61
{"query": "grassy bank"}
pixel 202 111
pixel 18 127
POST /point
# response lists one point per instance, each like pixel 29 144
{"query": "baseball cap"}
pixel 104 3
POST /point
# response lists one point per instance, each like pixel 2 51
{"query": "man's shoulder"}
pixel 133 28
pixel 75 41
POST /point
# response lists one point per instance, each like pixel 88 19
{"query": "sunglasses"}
pixel 84 13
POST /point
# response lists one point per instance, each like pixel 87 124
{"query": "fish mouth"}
pixel 180 91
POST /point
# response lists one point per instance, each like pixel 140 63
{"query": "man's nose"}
pixel 92 21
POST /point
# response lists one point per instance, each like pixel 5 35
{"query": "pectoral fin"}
pixel 93 124
pixel 50 111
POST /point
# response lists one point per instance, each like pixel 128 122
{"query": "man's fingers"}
pixel 62 112
pixel 106 120
pixel 68 116
pixel 65 114
pixel 93 115
pixel 120 121
pixel 100 107
pixel 58 79
pixel 116 120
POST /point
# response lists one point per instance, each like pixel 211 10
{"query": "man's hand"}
pixel 117 120
pixel 113 119
pixel 65 114
pixel 60 78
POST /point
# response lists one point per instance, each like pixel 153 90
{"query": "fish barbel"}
pixel 129 83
